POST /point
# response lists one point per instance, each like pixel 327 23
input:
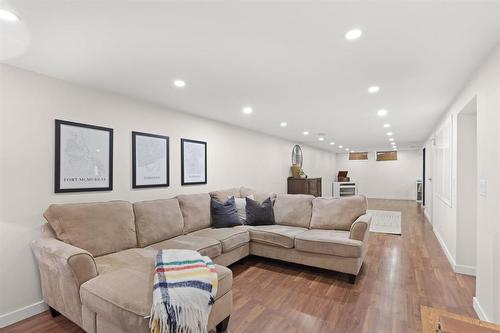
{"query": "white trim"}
pixel 12 317
pixel 445 249
pixel 461 269
pixel 465 269
pixel 427 216
pixel 479 309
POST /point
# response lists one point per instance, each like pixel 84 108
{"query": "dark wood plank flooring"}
pixel 400 274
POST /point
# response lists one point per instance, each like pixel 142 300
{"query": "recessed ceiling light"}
pixel 393 143
pixel 347 149
pixel 283 124
pixel 341 147
pixel 321 138
pixel 382 113
pixel 353 34
pixel 332 143
pixel 391 139
pixel 389 133
pixel 387 125
pixel 374 89
pixel 306 133
pixel 179 83
pixel 395 148
pixel 247 110
pixel 8 16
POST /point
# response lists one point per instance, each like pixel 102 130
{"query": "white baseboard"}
pixel 427 216
pixel 12 317
pixel 464 269
pixel 445 249
pixel 461 269
pixel 479 309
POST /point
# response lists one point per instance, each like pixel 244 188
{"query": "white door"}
pixel 428 181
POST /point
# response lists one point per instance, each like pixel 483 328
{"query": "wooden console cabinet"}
pixel 304 186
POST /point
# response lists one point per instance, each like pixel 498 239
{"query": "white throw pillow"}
pixel 241 207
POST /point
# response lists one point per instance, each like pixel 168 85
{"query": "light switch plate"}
pixel 482 187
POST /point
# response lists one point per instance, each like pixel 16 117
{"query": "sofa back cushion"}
pixel 293 210
pixel 222 195
pixel 258 196
pixel 195 210
pixel 157 220
pixel 337 214
pixel 99 228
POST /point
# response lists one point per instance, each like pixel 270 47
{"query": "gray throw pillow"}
pixel 225 215
pixel 259 213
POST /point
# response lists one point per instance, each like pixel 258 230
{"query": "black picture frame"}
pixel 135 134
pixel 183 156
pixel 57 169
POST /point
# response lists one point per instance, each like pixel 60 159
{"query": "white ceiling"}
pixel 289 61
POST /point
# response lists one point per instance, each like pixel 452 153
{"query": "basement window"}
pixel 358 156
pixel 387 156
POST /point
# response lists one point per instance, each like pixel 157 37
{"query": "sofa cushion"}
pixel 293 210
pixel 127 287
pixel 278 235
pixel 332 242
pixel 259 213
pixel 206 246
pixel 224 215
pixel 99 228
pixel 338 214
pixel 259 196
pixel 230 238
pixel 222 195
pixel 157 220
pixel 195 211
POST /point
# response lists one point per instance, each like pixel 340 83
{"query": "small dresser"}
pixel 304 186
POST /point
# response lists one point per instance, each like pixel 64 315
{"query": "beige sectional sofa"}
pixel 96 260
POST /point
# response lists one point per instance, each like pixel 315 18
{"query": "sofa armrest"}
pixel 63 269
pixel 361 227
pixel 71 259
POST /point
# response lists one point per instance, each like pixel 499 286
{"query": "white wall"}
pixel 466 190
pixel 385 179
pixel 29 103
pixel 485 87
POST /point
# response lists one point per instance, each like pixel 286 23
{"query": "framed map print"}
pixel 193 162
pixel 83 157
pixel 150 160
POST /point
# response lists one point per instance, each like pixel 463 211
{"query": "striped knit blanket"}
pixel 185 284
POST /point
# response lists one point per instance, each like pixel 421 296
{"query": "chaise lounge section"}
pixel 96 260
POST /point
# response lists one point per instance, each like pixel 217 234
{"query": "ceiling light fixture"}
pixel 347 149
pixel 332 143
pixel 179 83
pixel 341 146
pixel 393 143
pixel 391 139
pixel 247 110
pixel 283 124
pixel 321 138
pixel 382 113
pixel 353 34
pixel 389 133
pixel 306 132
pixel 387 125
pixel 374 89
pixel 8 16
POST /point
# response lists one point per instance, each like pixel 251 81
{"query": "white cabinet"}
pixel 344 189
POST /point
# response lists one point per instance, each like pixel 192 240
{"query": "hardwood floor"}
pixel 400 274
